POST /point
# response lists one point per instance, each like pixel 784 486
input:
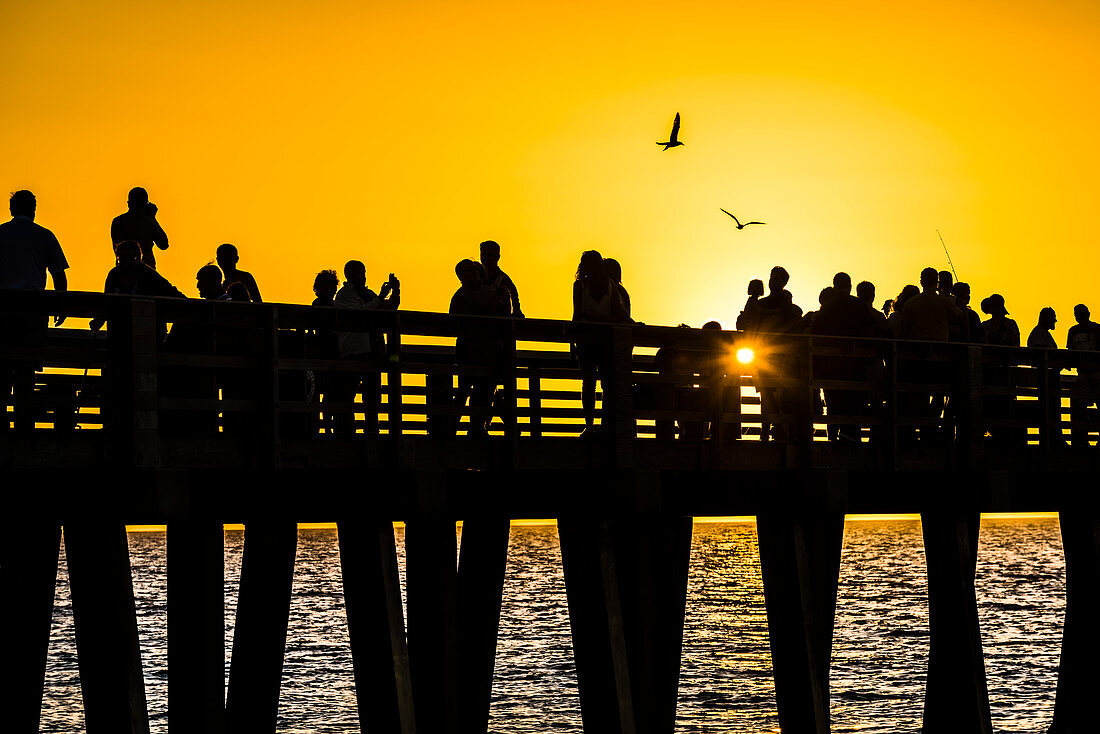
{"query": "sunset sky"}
pixel 403 134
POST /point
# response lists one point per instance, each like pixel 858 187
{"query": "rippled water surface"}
pixel 879 649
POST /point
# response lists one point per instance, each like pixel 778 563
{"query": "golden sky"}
pixel 403 134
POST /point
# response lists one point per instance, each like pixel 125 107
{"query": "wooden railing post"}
pixel 394 413
pixel 133 379
pixel 972 424
pixel 268 435
pixel 619 395
pixel 534 399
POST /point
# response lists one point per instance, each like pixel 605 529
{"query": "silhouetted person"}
pixel 474 298
pixel 844 315
pixel 363 346
pixel 208 281
pixel 615 273
pixel 139 223
pixel 927 316
pixel 894 319
pixel 806 325
pixel 595 300
pixel 865 292
pixel 1040 337
pixel 755 291
pixel 132 277
pixel 1084 336
pixel 321 343
pixel 998 328
pixel 887 307
pixel 497 280
pixel 775 313
pixel 27 252
pixel 973 326
pixel 945 285
pixel 227 261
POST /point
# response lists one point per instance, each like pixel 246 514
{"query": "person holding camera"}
pixel 139 223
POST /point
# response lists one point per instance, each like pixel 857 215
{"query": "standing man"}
pixel 366 346
pixel 1084 336
pixel 227 260
pixel 27 252
pixel 497 280
pixel 139 223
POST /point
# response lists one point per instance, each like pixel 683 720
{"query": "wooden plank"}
pixel 259 632
pixel 956 697
pixel 28 574
pixel 196 626
pixel 105 619
pixel 376 626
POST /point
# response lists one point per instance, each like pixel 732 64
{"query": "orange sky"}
pixel 405 133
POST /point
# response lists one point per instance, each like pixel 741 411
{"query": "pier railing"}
pixel 245 413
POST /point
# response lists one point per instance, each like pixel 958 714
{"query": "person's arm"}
pixel 514 294
pixel 1069 338
pixel 253 289
pixel 116 233
pixel 390 294
pixel 160 239
pixel 60 283
pixel 618 308
pixel 577 297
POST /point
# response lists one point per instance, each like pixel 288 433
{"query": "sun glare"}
pixel 745 355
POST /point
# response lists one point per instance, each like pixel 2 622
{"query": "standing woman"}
pixel 595 299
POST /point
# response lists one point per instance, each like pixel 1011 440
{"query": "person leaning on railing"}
pixel 1083 336
pixel 595 299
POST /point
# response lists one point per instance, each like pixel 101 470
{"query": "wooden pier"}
pixel 224 426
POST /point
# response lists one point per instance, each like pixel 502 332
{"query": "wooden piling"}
pixel 596 621
pixel 1078 673
pixel 111 681
pixel 196 626
pixel 481 569
pixel 800 566
pixel 376 626
pixel 28 575
pixel 431 577
pixel 259 632
pixel 956 697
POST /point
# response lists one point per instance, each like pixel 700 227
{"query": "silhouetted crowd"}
pixel 938 310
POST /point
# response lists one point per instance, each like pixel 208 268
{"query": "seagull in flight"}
pixel 735 219
pixel 672 141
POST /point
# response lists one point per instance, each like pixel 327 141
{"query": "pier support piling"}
pixel 259 632
pixel 104 615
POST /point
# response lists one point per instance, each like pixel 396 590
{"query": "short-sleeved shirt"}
pixel 244 278
pixel 27 251
pixel 1003 333
pixel 356 342
pixel 1084 336
pixel 928 316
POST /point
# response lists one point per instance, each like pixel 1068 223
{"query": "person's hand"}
pixel 394 282
pixel 58 320
pixel 151 209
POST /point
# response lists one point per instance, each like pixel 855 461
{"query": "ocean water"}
pixel 879 651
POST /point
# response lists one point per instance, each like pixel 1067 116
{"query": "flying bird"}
pixel 672 141
pixel 739 225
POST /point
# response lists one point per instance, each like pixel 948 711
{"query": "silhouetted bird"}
pixel 737 221
pixel 672 141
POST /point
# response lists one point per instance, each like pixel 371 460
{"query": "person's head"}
pixel 238 291
pixel 713 325
pixel 137 199
pixel 209 281
pixel 128 252
pixel 490 253
pixel 325 284
pixel 227 257
pixel 614 270
pixel 22 204
pixel 887 306
pixel 961 292
pixel 1081 313
pixel 929 277
pixel 865 291
pixel 756 287
pixel 842 284
pixel 778 278
pixel 469 273
pixel 906 293
pixel 945 282
pixel 994 305
pixel 1047 318
pixel 825 295
pixel 355 272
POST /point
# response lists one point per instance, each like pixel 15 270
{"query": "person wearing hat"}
pixel 999 329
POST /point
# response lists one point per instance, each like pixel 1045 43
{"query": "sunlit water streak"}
pixel 879 650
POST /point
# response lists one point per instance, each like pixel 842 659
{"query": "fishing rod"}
pixel 945 252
